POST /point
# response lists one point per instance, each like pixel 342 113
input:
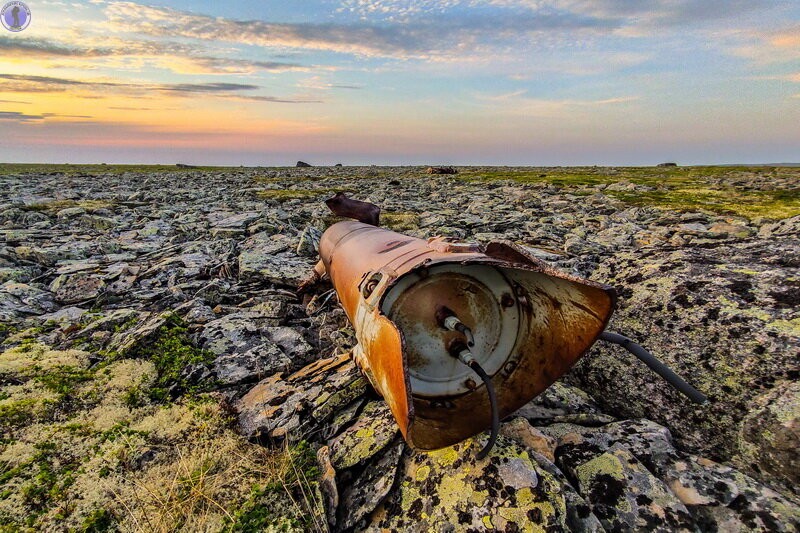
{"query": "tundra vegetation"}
pixel 159 373
pixel 93 441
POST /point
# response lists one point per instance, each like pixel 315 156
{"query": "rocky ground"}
pixel 148 320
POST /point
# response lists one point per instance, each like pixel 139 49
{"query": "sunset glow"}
pixel 541 82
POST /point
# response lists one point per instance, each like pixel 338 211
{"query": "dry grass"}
pixel 76 454
pixel 194 491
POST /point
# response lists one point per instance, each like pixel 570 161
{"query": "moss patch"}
pixel 112 446
pixel 721 190
pixel 55 206
pixel 400 221
pixel 171 352
pixel 76 455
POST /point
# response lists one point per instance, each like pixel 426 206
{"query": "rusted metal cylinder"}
pixel 530 323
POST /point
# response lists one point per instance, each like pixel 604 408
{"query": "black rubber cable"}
pixel 495 413
pixel 655 365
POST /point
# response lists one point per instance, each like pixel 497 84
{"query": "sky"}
pixel 498 82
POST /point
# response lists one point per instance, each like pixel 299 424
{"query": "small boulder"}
pixel 302 164
pixel 441 170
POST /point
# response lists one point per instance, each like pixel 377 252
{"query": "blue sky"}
pixel 541 82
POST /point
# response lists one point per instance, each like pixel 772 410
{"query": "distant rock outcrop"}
pixel 441 170
pixel 302 164
pixel 668 164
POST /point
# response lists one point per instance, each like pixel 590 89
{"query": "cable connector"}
pixel 465 356
pixel 448 320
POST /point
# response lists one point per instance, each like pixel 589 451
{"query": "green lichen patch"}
pixel 289 502
pixel 77 455
pixel 373 431
pixel 7 330
pixel 507 491
pixel 624 495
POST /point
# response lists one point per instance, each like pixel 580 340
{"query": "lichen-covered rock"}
pixel 236 332
pixel 730 326
pixel 20 299
pixel 126 339
pixel 301 405
pixel 717 497
pixel 625 496
pixel 265 259
pixel 291 342
pixel 520 430
pixel 450 490
pixel 79 287
pixel 250 366
pixel 722 499
pixel 363 490
pixel 239 220
pixel 558 401
pixel 250 346
pixel 770 434
pixel 373 431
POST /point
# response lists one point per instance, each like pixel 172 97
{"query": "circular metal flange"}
pixel 479 296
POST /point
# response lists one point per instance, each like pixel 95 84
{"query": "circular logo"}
pixel 15 16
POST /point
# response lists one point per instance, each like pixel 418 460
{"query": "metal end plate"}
pixel 480 296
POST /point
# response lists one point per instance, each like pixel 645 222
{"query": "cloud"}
pixel 319 83
pixel 277 100
pixel 397 10
pixel 20 83
pixel 767 47
pixel 32 47
pixel 652 14
pixel 26 117
pixel 421 40
pixel 132 108
pixel 45 84
pixel 223 65
pixel 518 104
pixel 190 88
pixel 18 117
pixel 178 57
pixel 632 14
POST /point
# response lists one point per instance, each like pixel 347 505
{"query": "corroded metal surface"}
pixel 531 324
